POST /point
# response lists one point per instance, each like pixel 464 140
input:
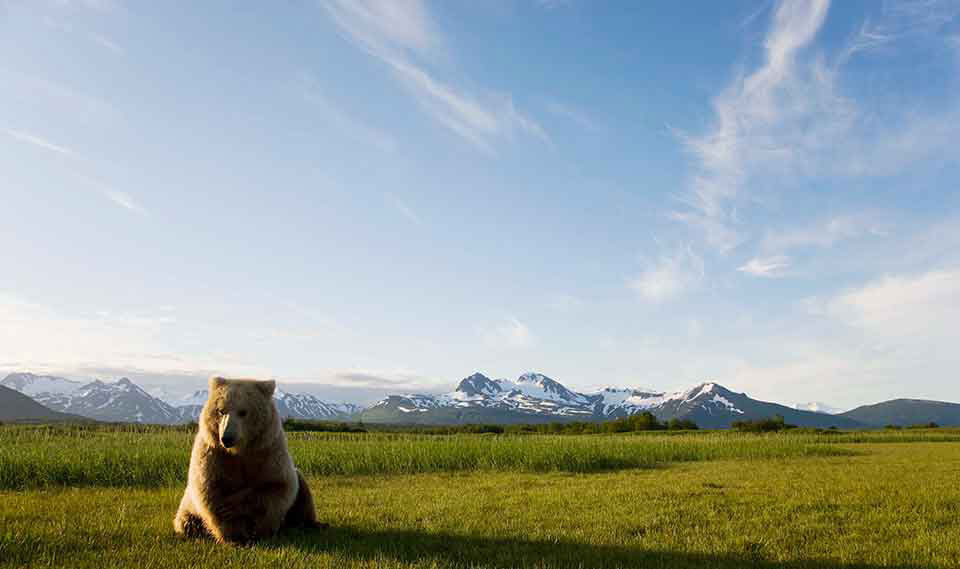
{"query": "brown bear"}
pixel 242 482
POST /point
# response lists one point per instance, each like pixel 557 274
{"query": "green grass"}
pixel 44 457
pixel 713 500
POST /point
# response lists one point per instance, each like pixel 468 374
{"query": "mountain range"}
pixel 536 398
pixel 531 398
pixel 126 402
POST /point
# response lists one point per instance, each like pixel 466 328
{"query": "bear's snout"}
pixel 228 441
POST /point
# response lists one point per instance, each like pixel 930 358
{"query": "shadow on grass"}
pixel 431 549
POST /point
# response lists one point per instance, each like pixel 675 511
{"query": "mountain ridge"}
pixel 530 398
pixel 125 401
pixel 536 398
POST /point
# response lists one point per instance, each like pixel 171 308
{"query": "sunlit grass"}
pixel 890 505
pixel 41 457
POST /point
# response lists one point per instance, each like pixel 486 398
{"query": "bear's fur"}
pixel 242 482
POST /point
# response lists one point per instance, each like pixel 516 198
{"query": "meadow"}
pixel 98 496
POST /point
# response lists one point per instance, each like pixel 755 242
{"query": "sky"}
pixel 388 195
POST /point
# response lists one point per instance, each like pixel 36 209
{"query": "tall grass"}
pixel 36 457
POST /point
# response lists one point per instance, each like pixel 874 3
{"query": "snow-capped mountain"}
pixel 121 401
pixel 124 401
pixel 531 398
pixel 289 405
pixel 534 398
pixel 818 407
pixel 531 393
pixel 32 384
pixel 534 393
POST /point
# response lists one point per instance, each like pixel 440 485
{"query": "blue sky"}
pixel 389 195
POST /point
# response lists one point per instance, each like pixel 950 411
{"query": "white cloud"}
pixel 912 307
pixel 124 200
pixel 343 122
pixel 824 233
pixel 769 267
pixel 404 209
pixel 42 337
pixel 38 141
pixel 788 120
pixel 107 43
pixel 900 20
pixel 751 117
pixel 381 24
pixel 511 333
pixel 395 32
pixel 576 115
pixel 669 276
pixel 564 303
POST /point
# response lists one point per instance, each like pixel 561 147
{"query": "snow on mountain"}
pixel 539 386
pixel 121 401
pixel 289 405
pixel 306 406
pixel 818 407
pixel 531 393
pixel 198 397
pixel 534 394
pixel 532 397
pixel 31 384
pixel 620 402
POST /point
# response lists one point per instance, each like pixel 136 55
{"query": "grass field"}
pixel 103 498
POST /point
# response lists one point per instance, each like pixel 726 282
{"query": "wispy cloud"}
pixel 769 267
pixel 125 201
pixel 107 43
pixel 397 33
pixel 39 142
pixel 749 117
pixel 788 120
pixel 44 337
pixel 669 276
pixel 924 305
pixel 901 20
pixel 823 233
pixel 512 333
pixel 564 303
pixel 98 5
pixel 575 115
pixel 342 121
pixel 404 209
pixel 380 25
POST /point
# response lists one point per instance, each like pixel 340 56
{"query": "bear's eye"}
pixel 242 412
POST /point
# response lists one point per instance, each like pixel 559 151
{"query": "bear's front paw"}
pixel 238 532
pixel 189 525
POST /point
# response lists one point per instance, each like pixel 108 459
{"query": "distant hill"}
pixel 906 412
pixel 17 407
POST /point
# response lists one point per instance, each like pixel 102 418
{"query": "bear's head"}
pixel 239 414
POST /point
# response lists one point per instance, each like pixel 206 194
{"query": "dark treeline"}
pixel 640 422
pixel 767 425
pixel 930 425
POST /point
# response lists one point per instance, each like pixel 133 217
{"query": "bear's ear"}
pixel 217 381
pixel 267 387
